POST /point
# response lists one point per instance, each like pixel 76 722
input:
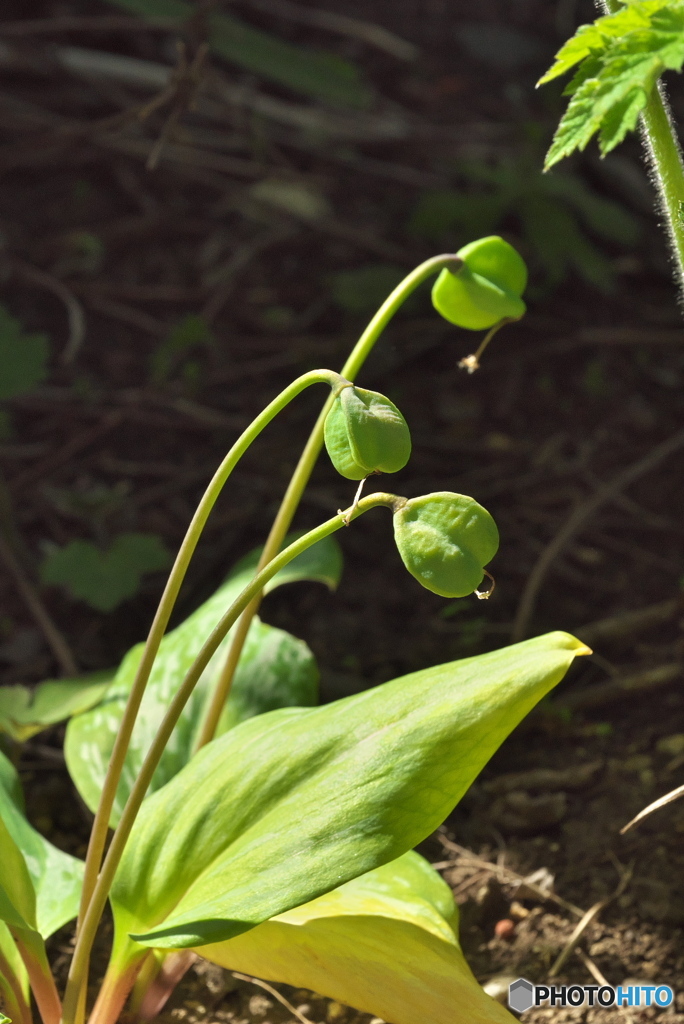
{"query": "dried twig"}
pixel 589 917
pixel 366 31
pixel 628 623
pixel 505 875
pixel 576 521
pixel 619 687
pixel 73 23
pixel 57 643
pixel 655 806
pixel 76 444
pixel 77 322
pixel 275 993
pixel 592 968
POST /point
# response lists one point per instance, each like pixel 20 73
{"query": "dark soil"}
pixel 586 386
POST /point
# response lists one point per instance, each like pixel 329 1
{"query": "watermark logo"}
pixel 523 995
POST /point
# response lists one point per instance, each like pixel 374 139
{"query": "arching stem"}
pixel 79 965
pixel 304 469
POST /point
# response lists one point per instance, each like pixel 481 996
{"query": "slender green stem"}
pixel 100 827
pixel 86 936
pixel 304 469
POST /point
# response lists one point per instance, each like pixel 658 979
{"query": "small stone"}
pixel 336 1012
pixel 259 1005
pixel 518 910
pixel 497 987
pixel 504 929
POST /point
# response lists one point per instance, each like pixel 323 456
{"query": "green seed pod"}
pixel 445 540
pixel 486 289
pixel 365 433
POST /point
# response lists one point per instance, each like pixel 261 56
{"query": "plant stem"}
pixel 303 471
pixel 15 1003
pixel 664 158
pixel 98 834
pixel 32 950
pixel 79 964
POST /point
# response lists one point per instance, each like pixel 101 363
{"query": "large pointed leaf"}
pixel 294 803
pixel 275 670
pixel 56 876
pixel 383 943
pixel 25 712
pixel 325 76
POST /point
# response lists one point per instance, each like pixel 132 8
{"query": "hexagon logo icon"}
pixel 521 995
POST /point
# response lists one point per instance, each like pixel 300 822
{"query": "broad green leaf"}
pixel 104 579
pixel 294 803
pixel 324 76
pixel 620 57
pixel 275 670
pixel 17 895
pixel 56 876
pixel 14 982
pixel 23 357
pixel 25 711
pixel 384 943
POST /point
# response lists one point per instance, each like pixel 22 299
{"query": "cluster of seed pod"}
pixel 445 539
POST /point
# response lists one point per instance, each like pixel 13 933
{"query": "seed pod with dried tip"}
pixel 445 540
pixel 365 433
pixel 486 289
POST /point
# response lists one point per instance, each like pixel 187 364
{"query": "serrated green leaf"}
pixel 620 57
pixel 621 119
pixel 586 39
pixel 292 804
pixel 275 670
pixel 316 73
pixel 104 579
pixel 383 943
pixel 56 876
pixel 25 711
pixel 23 357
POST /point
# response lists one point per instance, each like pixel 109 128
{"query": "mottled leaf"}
pixel 275 670
pixel 25 711
pixel 56 876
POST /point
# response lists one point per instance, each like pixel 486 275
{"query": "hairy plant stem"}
pixel 302 474
pixel 79 965
pixel 98 834
pixel 664 159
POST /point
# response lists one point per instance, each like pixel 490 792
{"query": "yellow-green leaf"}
pixel 383 943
